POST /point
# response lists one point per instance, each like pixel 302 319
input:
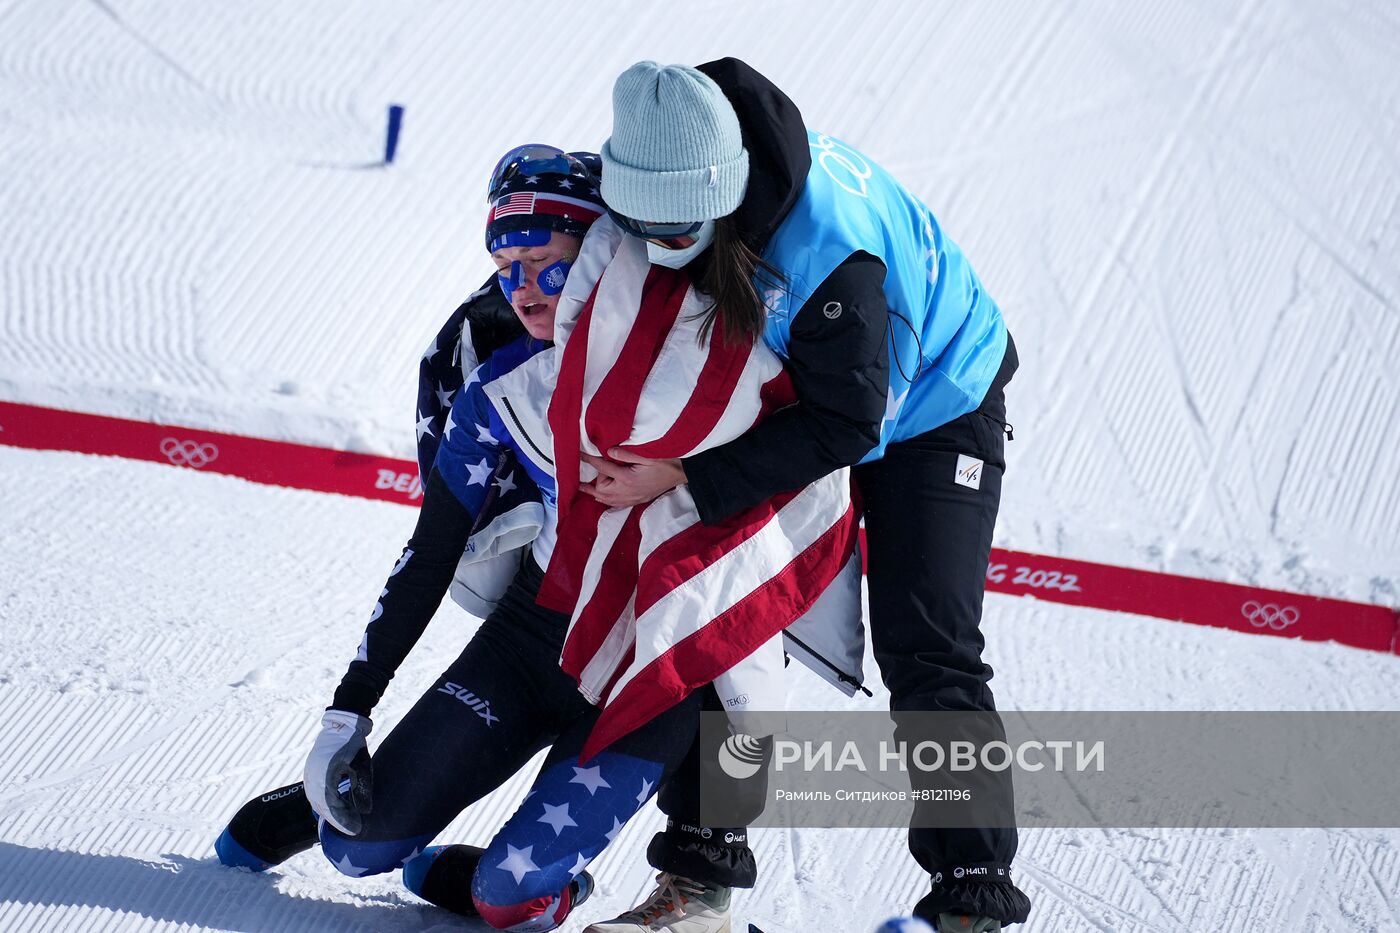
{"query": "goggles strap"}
pixel 533 159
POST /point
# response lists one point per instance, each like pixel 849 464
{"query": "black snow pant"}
pixel 929 515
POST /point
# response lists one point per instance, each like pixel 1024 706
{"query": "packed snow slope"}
pixel 1188 211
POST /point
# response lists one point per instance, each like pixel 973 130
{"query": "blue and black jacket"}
pixel 853 264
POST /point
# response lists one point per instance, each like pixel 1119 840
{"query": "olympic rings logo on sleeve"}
pixel 191 454
pixel 1269 615
pixel 844 165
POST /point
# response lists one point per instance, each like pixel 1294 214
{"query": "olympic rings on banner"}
pixel 1269 615
pixel 188 453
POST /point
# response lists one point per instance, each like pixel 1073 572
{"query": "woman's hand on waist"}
pixel 625 479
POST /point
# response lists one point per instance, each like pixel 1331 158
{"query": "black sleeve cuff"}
pixel 702 476
pixel 359 699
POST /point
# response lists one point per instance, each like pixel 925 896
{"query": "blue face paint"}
pixel 536 237
pixel 550 280
pixel 513 280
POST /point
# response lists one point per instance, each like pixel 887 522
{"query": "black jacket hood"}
pixel 776 139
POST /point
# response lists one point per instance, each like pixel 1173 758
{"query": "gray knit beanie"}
pixel 676 153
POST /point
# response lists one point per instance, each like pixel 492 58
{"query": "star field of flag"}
pixel 476 454
pixel 440 378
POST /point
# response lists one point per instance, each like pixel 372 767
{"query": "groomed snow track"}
pixel 1187 209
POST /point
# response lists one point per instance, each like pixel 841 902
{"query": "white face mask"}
pixel 676 258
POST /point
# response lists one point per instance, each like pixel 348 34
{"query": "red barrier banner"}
pixel 1079 583
pixel 1192 599
pixel 275 463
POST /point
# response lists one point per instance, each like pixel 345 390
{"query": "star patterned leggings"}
pixel 499 703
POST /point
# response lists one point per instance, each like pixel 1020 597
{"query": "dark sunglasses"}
pixel 666 235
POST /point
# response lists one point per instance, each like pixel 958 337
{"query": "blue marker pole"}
pixel 391 141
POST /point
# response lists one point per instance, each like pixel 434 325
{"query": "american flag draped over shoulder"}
pixel 661 604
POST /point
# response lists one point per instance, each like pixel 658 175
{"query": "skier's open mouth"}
pixel 532 308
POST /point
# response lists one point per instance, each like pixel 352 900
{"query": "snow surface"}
pixel 1187 209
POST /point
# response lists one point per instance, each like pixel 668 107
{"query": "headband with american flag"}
pixel 546 203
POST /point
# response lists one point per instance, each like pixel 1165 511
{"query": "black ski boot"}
pixel 268 830
pixel 442 875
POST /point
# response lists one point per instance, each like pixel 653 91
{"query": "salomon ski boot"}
pixel 268 830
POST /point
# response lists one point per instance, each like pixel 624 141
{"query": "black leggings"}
pixel 499 703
